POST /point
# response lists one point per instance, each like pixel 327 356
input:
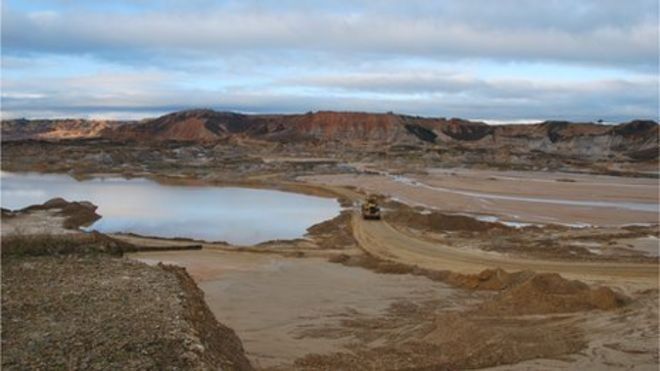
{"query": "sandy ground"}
pixel 271 301
pixel 519 197
pixel 622 340
pixel 386 242
pixel 308 314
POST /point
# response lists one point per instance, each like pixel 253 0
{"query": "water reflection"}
pixel 236 215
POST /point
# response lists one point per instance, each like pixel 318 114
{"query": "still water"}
pixel 236 215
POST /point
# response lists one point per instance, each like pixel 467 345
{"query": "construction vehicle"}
pixel 370 209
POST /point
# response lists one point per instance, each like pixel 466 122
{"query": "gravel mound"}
pixel 97 312
pixel 489 279
pixel 550 293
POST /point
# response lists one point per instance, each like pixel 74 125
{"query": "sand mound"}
pixel 520 293
pixel 436 221
pixel 550 293
pixel 489 279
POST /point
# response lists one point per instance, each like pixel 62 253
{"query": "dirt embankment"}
pixel 78 307
pixel 221 345
pixel 546 293
pixel 59 245
pixel 431 220
pixel 523 292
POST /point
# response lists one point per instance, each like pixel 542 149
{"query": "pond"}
pixel 240 216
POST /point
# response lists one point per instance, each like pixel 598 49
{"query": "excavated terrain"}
pixel 506 247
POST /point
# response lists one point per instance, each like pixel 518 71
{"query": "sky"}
pixel 504 61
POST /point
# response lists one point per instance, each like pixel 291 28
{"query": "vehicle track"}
pixel 382 240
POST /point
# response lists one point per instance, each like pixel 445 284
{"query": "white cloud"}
pixel 448 58
pixel 132 95
pixel 43 18
pixel 439 35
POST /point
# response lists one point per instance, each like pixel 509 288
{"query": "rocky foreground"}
pixel 71 301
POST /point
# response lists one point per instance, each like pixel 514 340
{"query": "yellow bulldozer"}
pixel 370 209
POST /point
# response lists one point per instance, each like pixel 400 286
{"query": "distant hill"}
pixel 638 139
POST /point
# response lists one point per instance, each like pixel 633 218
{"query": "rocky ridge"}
pixel 638 140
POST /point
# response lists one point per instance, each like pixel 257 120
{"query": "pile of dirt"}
pixel 439 222
pixel 221 345
pixel 72 305
pixel 489 279
pixel 523 292
pixel 544 293
pixel 495 330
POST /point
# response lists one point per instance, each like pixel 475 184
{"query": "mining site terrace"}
pixel 508 247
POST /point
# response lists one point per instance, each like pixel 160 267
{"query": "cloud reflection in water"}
pixel 235 215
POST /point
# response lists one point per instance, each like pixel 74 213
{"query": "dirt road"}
pixel 384 241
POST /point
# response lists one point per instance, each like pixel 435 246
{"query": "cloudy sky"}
pixel 479 59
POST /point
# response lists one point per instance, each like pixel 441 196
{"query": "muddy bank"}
pixel 74 310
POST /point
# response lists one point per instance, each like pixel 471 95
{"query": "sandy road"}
pixel 384 241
